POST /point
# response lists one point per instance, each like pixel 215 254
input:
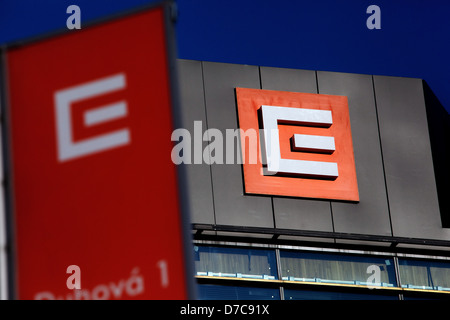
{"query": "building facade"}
pixel 393 243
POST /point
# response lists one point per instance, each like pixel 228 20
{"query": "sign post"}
pixel 89 115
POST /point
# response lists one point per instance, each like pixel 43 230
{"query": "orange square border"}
pixel 344 187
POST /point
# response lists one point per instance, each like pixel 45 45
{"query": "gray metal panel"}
pixel 371 214
pixel 231 206
pixel 288 79
pixel 439 128
pixel 292 213
pixel 193 109
pixel 407 158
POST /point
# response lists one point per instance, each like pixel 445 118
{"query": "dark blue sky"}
pixel 329 35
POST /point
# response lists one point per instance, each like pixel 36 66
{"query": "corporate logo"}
pixel 305 144
pixel 69 149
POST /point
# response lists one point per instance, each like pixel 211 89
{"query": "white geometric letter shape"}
pixel 67 148
pixel 271 116
pixel 316 144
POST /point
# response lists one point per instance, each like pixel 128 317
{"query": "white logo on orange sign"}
pixel 272 116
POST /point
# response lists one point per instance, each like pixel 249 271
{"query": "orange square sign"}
pixel 304 144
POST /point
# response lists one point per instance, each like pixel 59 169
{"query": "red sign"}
pixel 93 181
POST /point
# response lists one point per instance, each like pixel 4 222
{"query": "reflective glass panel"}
pixel 329 295
pixel 424 274
pixel 235 262
pixel 337 268
pixel 217 292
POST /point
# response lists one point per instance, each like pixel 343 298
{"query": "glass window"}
pixel 330 295
pixel 422 297
pixel 235 262
pixel 217 292
pixel 424 274
pixel 337 268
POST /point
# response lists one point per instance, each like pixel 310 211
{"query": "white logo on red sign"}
pixel 68 149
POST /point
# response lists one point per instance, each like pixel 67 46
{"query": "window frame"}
pixel 397 291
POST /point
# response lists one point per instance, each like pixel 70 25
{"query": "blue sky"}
pixel 328 35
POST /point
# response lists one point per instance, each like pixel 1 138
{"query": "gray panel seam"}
pixel 271 198
pixel 317 81
pixel 382 156
pixel 331 202
pixel 207 126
